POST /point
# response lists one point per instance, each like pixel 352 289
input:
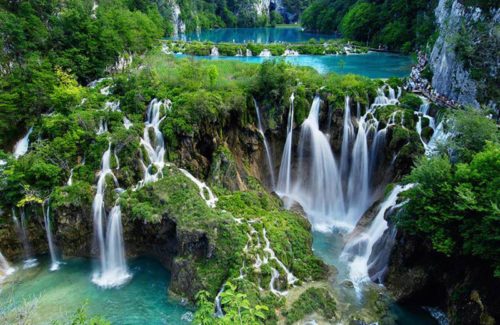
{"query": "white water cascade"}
pixel 334 196
pixel 270 164
pixel 5 268
pixel 318 187
pixel 29 260
pixel 285 176
pixel 113 270
pixel 22 145
pixel 358 196
pixel 155 146
pixel 218 305
pixel 205 192
pixel 54 266
pixel 347 136
pixel 358 251
pixel 214 51
pixel 265 53
pixel 421 114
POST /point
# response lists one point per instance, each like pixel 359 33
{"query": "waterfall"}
pixel 48 229
pixel 5 268
pixel 318 188
pixel 437 136
pixel 347 135
pixel 113 268
pixel 29 260
pixel 22 145
pixel 334 196
pixel 270 164
pixel 214 51
pixel 285 177
pixel 218 306
pixel 103 127
pixel 382 100
pixel 155 146
pixel 205 192
pixel 392 94
pixel 265 53
pixel 70 178
pixel 440 136
pixel 289 52
pixel 248 53
pixel 358 186
pixel 359 250
pixel 126 123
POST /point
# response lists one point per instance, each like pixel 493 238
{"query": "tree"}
pixel 360 21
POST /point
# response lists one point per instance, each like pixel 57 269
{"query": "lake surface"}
pixel 144 300
pixel 256 35
pixel 371 65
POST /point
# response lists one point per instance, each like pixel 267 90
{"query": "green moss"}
pixel 411 101
pixel 317 300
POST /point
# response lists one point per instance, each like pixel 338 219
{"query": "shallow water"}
pixel 143 300
pixel 256 35
pixel 328 246
pixel 371 65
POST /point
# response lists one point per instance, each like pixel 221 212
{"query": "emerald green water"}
pixel 144 300
pixel 371 65
pixel 328 246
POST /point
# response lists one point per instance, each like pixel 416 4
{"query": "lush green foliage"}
pixel 42 40
pixel 206 14
pixel 312 300
pixel 233 49
pixel 455 206
pixel 398 24
pixel 237 308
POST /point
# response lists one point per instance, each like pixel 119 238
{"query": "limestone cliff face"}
pixel 464 54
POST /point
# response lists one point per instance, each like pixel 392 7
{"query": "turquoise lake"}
pixel 143 300
pixel 371 65
pixel 256 35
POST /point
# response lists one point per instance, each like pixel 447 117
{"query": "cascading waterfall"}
pixel 347 135
pixel 22 145
pixel 358 251
pixel 70 178
pixel 285 175
pixel 334 196
pixel 5 268
pixel 54 266
pixel 126 123
pixel 113 268
pixel 29 260
pixel 214 51
pixel 270 164
pixel 358 186
pixel 205 192
pixel 155 147
pixel 218 306
pixel 318 179
pixel 103 127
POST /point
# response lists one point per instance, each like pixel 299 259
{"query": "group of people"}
pixel 418 83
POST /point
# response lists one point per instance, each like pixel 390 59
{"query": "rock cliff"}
pixel 464 59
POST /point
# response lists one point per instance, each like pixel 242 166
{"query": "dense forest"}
pixel 44 41
pixel 396 24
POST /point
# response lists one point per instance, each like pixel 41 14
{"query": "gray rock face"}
pixel 452 77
